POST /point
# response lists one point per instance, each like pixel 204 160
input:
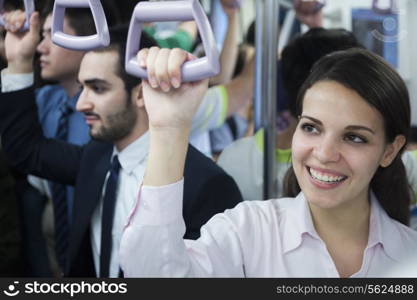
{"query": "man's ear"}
pixel 392 150
pixel 137 96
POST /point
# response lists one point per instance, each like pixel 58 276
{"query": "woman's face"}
pixel 338 145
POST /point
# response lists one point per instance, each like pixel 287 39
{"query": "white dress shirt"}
pixel 274 238
pixel 133 161
pixel 14 82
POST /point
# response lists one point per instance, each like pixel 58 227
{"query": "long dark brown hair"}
pixel 382 88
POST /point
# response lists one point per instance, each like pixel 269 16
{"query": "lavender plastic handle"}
pixel 101 39
pixel 195 70
pixel 29 9
pixel 383 11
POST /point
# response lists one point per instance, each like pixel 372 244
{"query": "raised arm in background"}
pixel 230 49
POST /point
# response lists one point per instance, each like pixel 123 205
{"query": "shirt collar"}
pixel 134 154
pixel 382 230
pixel 298 223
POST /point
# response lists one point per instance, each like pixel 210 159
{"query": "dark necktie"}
pixel 107 217
pixel 59 197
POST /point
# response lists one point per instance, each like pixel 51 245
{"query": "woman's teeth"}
pixel 325 177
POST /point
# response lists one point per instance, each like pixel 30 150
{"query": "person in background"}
pixel 240 124
pixel 2 50
pixel 45 205
pixel 230 49
pixel 236 125
pixel 11 262
pixel 108 170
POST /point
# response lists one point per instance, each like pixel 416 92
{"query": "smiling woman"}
pixel 348 193
pixel 354 119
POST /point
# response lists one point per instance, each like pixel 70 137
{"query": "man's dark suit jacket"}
pixel 11 262
pixel 207 188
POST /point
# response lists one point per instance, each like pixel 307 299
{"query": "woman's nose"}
pixel 327 150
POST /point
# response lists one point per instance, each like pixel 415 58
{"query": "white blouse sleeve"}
pixel 152 243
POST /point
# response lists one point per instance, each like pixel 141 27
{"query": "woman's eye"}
pixel 309 128
pixel 356 139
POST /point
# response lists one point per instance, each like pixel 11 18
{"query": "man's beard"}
pixel 118 125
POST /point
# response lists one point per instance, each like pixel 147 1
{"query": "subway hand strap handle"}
pixel 195 70
pixel 388 10
pixel 29 9
pixel 83 43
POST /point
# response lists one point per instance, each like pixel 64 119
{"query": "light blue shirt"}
pixel 49 99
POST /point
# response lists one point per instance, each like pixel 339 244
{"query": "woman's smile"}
pixel 325 179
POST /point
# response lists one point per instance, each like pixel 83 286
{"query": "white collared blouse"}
pixel 274 238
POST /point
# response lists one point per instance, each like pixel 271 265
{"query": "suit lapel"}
pixel 88 193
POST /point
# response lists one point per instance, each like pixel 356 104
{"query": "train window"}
pixel 377 32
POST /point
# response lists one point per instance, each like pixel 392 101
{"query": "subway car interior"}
pixel 110 107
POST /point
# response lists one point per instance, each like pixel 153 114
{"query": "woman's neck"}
pixel 344 230
pixel 348 221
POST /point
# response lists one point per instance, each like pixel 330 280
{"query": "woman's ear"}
pixel 137 95
pixel 392 150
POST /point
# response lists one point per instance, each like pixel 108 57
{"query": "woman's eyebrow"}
pixel 350 127
pixel 359 127
pixel 312 119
